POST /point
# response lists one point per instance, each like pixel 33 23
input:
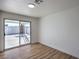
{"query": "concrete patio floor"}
pixel 13 40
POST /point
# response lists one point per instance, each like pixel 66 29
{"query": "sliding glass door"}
pixel 16 33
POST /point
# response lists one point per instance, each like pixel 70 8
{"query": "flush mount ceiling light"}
pixel 36 2
pixel 30 5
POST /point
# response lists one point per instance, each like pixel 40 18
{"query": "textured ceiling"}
pixel 47 7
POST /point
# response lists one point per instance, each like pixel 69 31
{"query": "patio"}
pixel 16 40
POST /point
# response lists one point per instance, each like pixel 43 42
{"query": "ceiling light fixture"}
pixel 36 2
pixel 30 5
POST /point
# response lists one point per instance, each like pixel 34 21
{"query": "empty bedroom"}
pixel 39 29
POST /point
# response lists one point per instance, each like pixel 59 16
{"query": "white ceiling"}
pixel 47 7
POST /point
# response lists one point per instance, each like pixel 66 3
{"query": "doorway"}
pixel 17 33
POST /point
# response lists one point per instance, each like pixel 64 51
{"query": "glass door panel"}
pixel 24 33
pixel 11 33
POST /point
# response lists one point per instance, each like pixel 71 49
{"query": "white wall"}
pixel 61 31
pixel 34 26
pixel 1 32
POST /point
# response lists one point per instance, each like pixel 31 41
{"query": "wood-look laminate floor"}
pixel 34 51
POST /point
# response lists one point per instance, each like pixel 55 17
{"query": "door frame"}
pixel 19 37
